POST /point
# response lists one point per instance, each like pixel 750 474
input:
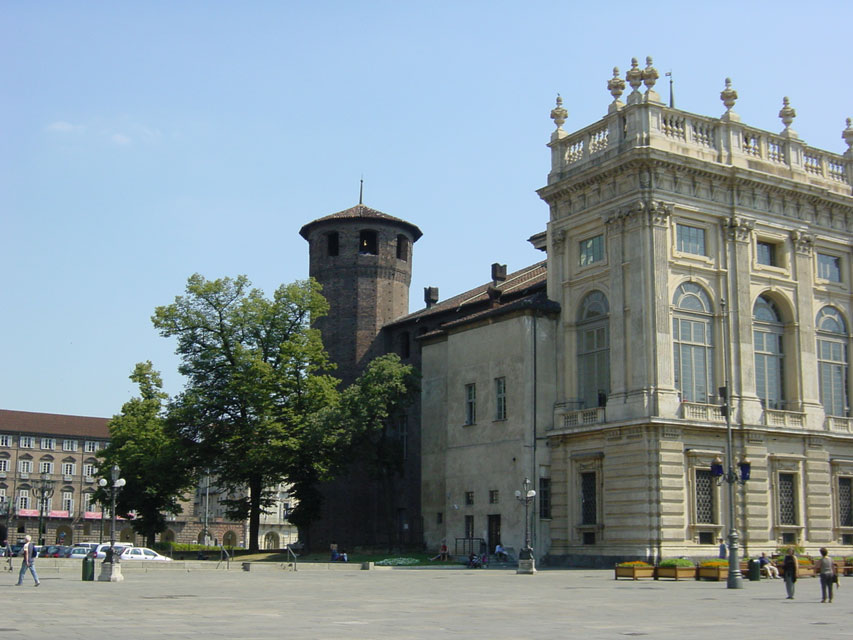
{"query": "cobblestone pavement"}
pixel 413 603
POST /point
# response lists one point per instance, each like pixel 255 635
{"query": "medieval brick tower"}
pixel 363 259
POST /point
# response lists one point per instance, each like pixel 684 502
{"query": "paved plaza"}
pixel 185 601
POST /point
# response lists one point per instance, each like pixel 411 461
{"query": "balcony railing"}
pixel 583 417
pixel 726 141
pixel 702 412
pixel 794 419
pixel 838 423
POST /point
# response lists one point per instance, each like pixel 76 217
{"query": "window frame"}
pixel 686 245
pixel 820 264
pixel 687 318
pixel 470 404
pixel 500 398
pixel 591 250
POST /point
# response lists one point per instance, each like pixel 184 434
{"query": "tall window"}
pixel 500 398
pixel 23 499
pixel 544 497
pixel 90 470
pixel 589 504
pixel 48 443
pixel 4 464
pixel 332 244
pixel 769 359
pixel 402 248
pixel 91 446
pixel 25 466
pixel 470 403
pixel 693 350
pixel 829 267
pixel 25 442
pixel 46 467
pixel 68 468
pixel 5 440
pixel 68 501
pixel 705 508
pixel 88 502
pixel 594 350
pixel 690 239
pixel 469 526
pixel 787 499
pixel 69 445
pixel 766 253
pixel 845 502
pixel 832 361
pixel 591 250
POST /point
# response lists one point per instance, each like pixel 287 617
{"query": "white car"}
pixel 78 553
pixel 103 548
pixel 143 553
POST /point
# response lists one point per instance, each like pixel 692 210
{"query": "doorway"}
pixel 494 532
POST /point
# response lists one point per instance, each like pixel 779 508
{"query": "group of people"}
pixel 825 567
pixel 28 559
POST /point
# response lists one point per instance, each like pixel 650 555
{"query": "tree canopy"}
pixel 253 410
pixel 149 457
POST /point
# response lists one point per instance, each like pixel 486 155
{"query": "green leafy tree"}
pixel 364 427
pixel 150 458
pixel 252 411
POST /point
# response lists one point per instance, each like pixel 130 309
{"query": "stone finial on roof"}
pixel 616 86
pixel 847 134
pixel 634 77
pixel 787 115
pixel 729 97
pixel 558 113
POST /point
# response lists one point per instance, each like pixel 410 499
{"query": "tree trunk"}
pixel 255 489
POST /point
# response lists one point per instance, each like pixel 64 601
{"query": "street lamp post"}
pixel 526 563
pixel 735 578
pixel 111 568
pixel 44 492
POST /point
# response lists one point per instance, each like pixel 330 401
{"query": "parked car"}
pixel 50 551
pixel 16 549
pixel 143 553
pixel 64 551
pixel 78 553
pixel 102 549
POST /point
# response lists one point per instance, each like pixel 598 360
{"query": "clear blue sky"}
pixel 141 142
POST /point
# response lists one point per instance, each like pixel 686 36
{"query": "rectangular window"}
pixel 470 403
pixel 500 398
pixel 69 445
pixel 690 239
pixel 439 517
pixel 88 502
pixel 787 499
pixel 829 267
pixel 68 501
pixel 25 442
pixel 469 498
pixel 25 466
pixel 23 499
pixel 91 446
pixel 494 496
pixel 765 253
pixel 705 508
pixel 5 441
pixel 90 470
pixel 48 443
pixel 2 495
pixel 45 467
pixel 845 502
pixel 469 526
pixel 544 497
pixel 589 507
pixel 332 244
pixel 591 250
pixel 68 468
pixel 4 464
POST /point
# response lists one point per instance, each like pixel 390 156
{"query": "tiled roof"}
pixel 360 212
pixel 53 424
pixel 516 283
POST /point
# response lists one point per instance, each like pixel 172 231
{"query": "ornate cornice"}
pixel 803 242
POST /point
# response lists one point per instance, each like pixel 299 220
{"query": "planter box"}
pixel 712 573
pixel 678 573
pixel 635 573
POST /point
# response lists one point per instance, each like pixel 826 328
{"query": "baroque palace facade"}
pixel 683 252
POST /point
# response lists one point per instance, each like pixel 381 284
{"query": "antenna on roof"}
pixel 361 190
pixel 671 95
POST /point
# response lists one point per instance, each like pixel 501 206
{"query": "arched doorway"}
pixel 229 539
pixel 271 541
pixel 167 536
pixel 64 535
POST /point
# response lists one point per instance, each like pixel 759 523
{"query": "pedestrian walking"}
pixel 29 561
pixel 827 575
pixel 7 553
pixel 790 566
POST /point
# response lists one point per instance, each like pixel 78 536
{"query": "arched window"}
pixel 693 344
pixel 832 361
pixel 367 243
pixel 594 350
pixel 767 335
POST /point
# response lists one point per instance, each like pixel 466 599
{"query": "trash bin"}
pixel 754 570
pixel 89 567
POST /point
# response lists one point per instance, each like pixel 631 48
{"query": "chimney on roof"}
pixel 498 273
pixel 430 296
